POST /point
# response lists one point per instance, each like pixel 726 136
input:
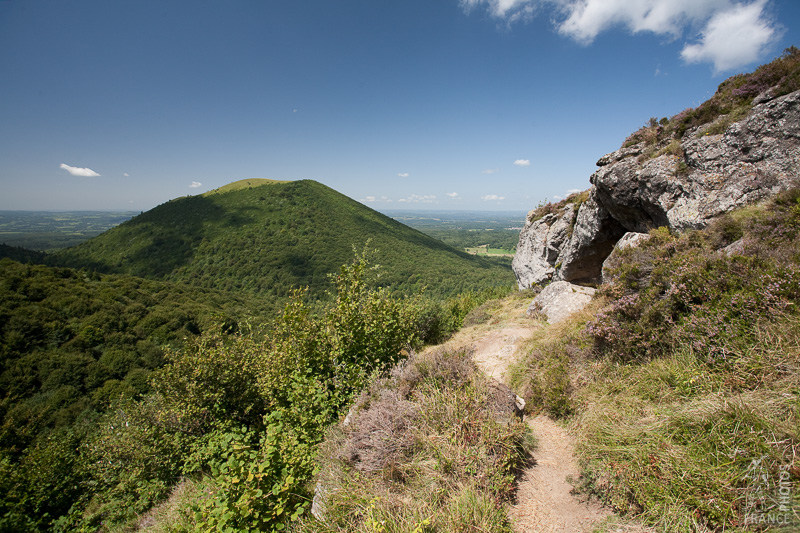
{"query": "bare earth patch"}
pixel 545 501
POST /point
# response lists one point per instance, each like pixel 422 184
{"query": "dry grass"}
pixel 434 447
pixel 671 436
pixel 171 515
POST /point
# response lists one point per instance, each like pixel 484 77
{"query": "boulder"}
pixel 540 244
pixel 595 233
pixel 560 299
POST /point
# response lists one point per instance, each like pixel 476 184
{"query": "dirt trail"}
pixel 545 502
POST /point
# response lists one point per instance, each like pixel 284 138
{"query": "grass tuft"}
pixel 434 447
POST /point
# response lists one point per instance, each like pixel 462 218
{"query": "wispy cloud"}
pixel 511 10
pixel 572 191
pixel 195 184
pixel 76 171
pixel 732 33
pixel 403 174
pixel 491 171
pixel 733 38
pixel 522 162
pixel 556 197
pixel 453 195
pixel 126 174
pixel 492 197
pixel 419 198
pixel 375 199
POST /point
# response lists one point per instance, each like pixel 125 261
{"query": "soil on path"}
pixel 545 501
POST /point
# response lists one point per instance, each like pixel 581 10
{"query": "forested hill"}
pixel 266 237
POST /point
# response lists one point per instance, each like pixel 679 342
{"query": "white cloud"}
pixel 454 195
pixel 126 174
pixel 374 199
pixel 586 19
pixel 500 8
pixel 491 197
pixel 491 171
pixel 735 32
pixel 522 162
pixel 83 172
pixel 418 198
pixel 556 197
pixel 403 174
pixel 573 191
pixel 195 184
pixel 733 38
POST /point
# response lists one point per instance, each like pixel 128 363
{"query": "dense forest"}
pixel 264 238
pixel 168 319
pixel 115 388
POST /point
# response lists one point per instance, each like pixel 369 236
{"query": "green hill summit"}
pixel 266 237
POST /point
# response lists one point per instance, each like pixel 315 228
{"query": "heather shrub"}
pixel 691 415
pixel 732 101
pixel 680 289
pixel 430 448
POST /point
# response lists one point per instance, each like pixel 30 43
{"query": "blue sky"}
pixel 414 104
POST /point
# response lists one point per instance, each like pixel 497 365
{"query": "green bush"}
pixel 244 412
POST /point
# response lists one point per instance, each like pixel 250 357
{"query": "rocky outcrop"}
pixel 540 244
pixel 559 300
pixel 753 159
pixel 682 185
pixel 593 238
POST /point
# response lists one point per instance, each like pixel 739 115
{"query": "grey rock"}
pixel 735 248
pixel 318 509
pixel 593 238
pixel 753 159
pixel 540 243
pixel 560 299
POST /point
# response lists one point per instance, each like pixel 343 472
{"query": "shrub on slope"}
pixel 684 389
pixel 434 447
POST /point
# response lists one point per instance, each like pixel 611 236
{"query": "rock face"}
pixel 560 299
pixel 632 191
pixel 540 244
pixel 593 238
pixel 754 159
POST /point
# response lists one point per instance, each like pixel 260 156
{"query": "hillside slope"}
pixel 266 237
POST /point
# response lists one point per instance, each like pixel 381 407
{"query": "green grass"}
pixel 684 373
pixel 243 184
pixel 486 251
